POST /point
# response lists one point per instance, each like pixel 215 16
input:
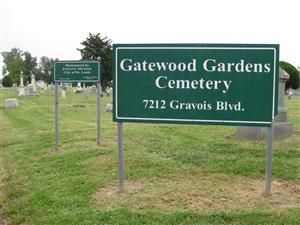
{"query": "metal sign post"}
pixel 269 159
pixel 56 116
pixel 98 112
pixel 76 71
pixel 120 156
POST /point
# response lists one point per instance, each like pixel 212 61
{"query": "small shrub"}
pixel 7 81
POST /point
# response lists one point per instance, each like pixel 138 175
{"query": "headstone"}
pixel 109 107
pixel 296 92
pixel 32 91
pixel 40 83
pixel 93 89
pixel 11 103
pixel 64 92
pixel 21 89
pixel 78 88
pixel 282 128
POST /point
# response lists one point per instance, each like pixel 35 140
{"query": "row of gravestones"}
pixel 30 90
pixel 282 128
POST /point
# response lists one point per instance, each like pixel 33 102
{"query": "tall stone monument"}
pixel 33 83
pixel 32 91
pixel 21 89
pixel 282 128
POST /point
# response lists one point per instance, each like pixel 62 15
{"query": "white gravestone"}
pixel 93 89
pixel 109 107
pixel 32 92
pixel 11 103
pixel 78 88
pixel 64 93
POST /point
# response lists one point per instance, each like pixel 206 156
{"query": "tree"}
pixel 45 67
pixel 7 81
pixel 14 53
pixel 13 63
pixel 30 63
pixel 16 61
pixel 96 46
pixel 293 81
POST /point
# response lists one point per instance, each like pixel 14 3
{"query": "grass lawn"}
pixel 175 174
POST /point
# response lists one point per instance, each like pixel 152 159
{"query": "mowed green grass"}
pixel 42 186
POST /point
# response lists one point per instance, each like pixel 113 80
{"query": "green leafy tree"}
pixel 13 63
pixel 14 53
pixel 7 81
pixel 30 63
pixel 293 81
pixel 45 67
pixel 94 47
pixel 16 61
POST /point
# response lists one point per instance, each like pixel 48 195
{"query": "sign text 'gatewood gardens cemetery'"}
pixel 229 84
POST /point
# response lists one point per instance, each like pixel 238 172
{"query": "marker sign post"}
pixel 76 71
pixel 218 84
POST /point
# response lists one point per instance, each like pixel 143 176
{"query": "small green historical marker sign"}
pixel 225 84
pixel 77 71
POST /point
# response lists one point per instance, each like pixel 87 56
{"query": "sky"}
pixel 55 28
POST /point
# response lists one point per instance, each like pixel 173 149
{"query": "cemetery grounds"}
pixel 175 174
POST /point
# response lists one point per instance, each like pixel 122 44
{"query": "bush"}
pixel 7 81
pixel 293 82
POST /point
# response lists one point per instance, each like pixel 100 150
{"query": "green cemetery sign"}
pixel 229 84
pixel 77 71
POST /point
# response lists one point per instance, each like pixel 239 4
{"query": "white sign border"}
pixel 77 61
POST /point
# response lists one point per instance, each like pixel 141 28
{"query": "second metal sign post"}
pixel 76 71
